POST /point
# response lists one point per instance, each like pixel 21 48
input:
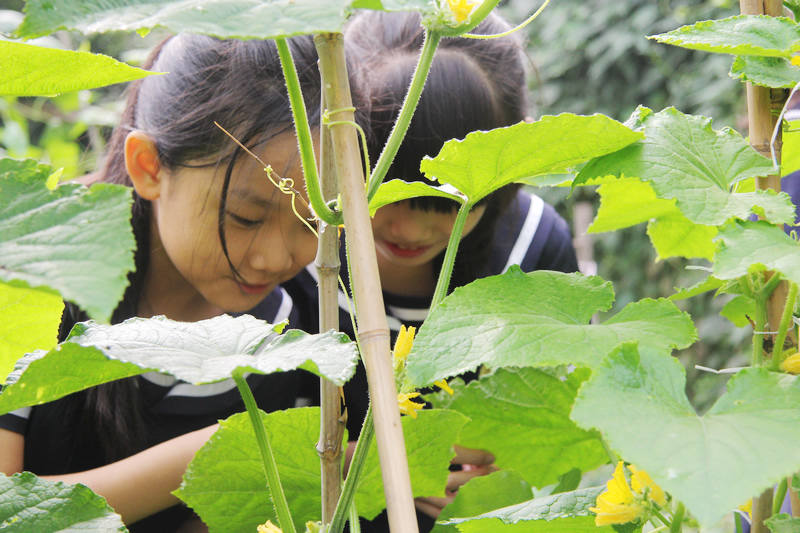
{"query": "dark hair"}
pixel 473 85
pixel 238 84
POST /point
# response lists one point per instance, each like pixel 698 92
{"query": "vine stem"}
pixel 400 127
pixel 662 518
pixel 268 459
pixel 759 324
pixel 354 474
pixel 446 272
pixel 677 519
pixel 303 131
pixel 783 327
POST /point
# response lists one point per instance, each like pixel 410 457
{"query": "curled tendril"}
pixel 326 120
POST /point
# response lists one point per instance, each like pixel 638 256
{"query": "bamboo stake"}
pixel 763 107
pixel 329 446
pixel 372 325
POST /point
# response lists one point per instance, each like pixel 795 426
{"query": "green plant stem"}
pixel 450 256
pixel 783 328
pixel 355 525
pixel 354 474
pixel 303 131
pixel 677 519
pixel 400 127
pixel 738 519
pixel 760 322
pixel 270 468
pixel 475 18
pixel 770 285
pixel 664 520
pixel 780 494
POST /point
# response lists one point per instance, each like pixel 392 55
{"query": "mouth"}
pixel 254 289
pixel 401 250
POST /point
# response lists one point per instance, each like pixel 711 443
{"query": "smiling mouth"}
pixel 253 289
pixel 405 251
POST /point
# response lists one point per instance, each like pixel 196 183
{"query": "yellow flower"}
pixel 461 9
pixel 795 61
pixel 442 384
pixel 616 504
pixel 402 346
pixel 747 507
pixel 791 364
pixel 269 527
pixel 407 407
pixel 641 480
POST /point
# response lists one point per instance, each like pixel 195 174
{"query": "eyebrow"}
pixel 246 195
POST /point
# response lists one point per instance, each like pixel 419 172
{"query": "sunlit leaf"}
pixel 522 417
pixel 783 523
pixel 638 401
pixel 790 152
pixel 536 319
pixel 757 35
pixel 625 202
pixel 563 512
pixel 196 352
pixel 738 309
pixel 30 70
pixel 766 71
pixel 30 322
pixel 399 190
pixel 745 244
pixel 683 158
pixel 29 503
pixel 74 240
pixel 486 160
pixel 708 284
pixel 676 236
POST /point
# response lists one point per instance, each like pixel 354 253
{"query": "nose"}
pixel 269 255
pixel 411 227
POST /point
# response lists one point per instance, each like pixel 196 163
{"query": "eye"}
pixel 244 222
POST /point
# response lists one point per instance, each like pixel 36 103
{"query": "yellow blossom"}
pixel 791 364
pixel 461 9
pixel 616 504
pixel 796 61
pixel 442 384
pixel 407 407
pixel 269 527
pixel 747 507
pixel 402 346
pixel 641 480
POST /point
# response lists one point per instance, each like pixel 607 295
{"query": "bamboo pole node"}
pixel 372 334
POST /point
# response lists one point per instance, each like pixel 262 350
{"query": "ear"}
pixel 142 164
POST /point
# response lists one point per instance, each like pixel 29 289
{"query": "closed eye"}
pixel 244 222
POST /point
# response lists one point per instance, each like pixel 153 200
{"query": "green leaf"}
pixel 225 482
pixel 568 481
pixel 783 523
pixel 765 71
pixel 221 18
pixel 625 202
pixel 487 160
pixel 743 245
pixel 566 511
pixel 708 284
pixel 30 70
pixel 522 417
pixel 485 493
pixel 429 446
pixel 683 158
pixel 536 319
pixel 676 236
pixel 30 321
pixel 398 190
pixel 790 153
pixel 73 240
pixel 423 6
pixel 195 352
pixel 637 400
pixel 738 309
pixel 28 503
pixel 755 35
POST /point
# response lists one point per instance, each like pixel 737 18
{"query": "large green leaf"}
pixel 757 35
pixel 225 481
pixel 28 503
pixel 745 244
pixel 765 71
pixel 483 494
pixel 566 511
pixel 222 18
pixel 30 70
pixel 429 446
pixel 683 158
pixel 74 240
pixel 399 190
pixel 790 153
pixel 536 319
pixel 195 352
pixel 638 401
pixel 676 236
pixel 30 322
pixel 486 160
pixel 783 523
pixel 625 202
pixel 522 417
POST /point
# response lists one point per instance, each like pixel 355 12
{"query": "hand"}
pixel 473 463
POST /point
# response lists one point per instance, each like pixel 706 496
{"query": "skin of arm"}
pixel 135 487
